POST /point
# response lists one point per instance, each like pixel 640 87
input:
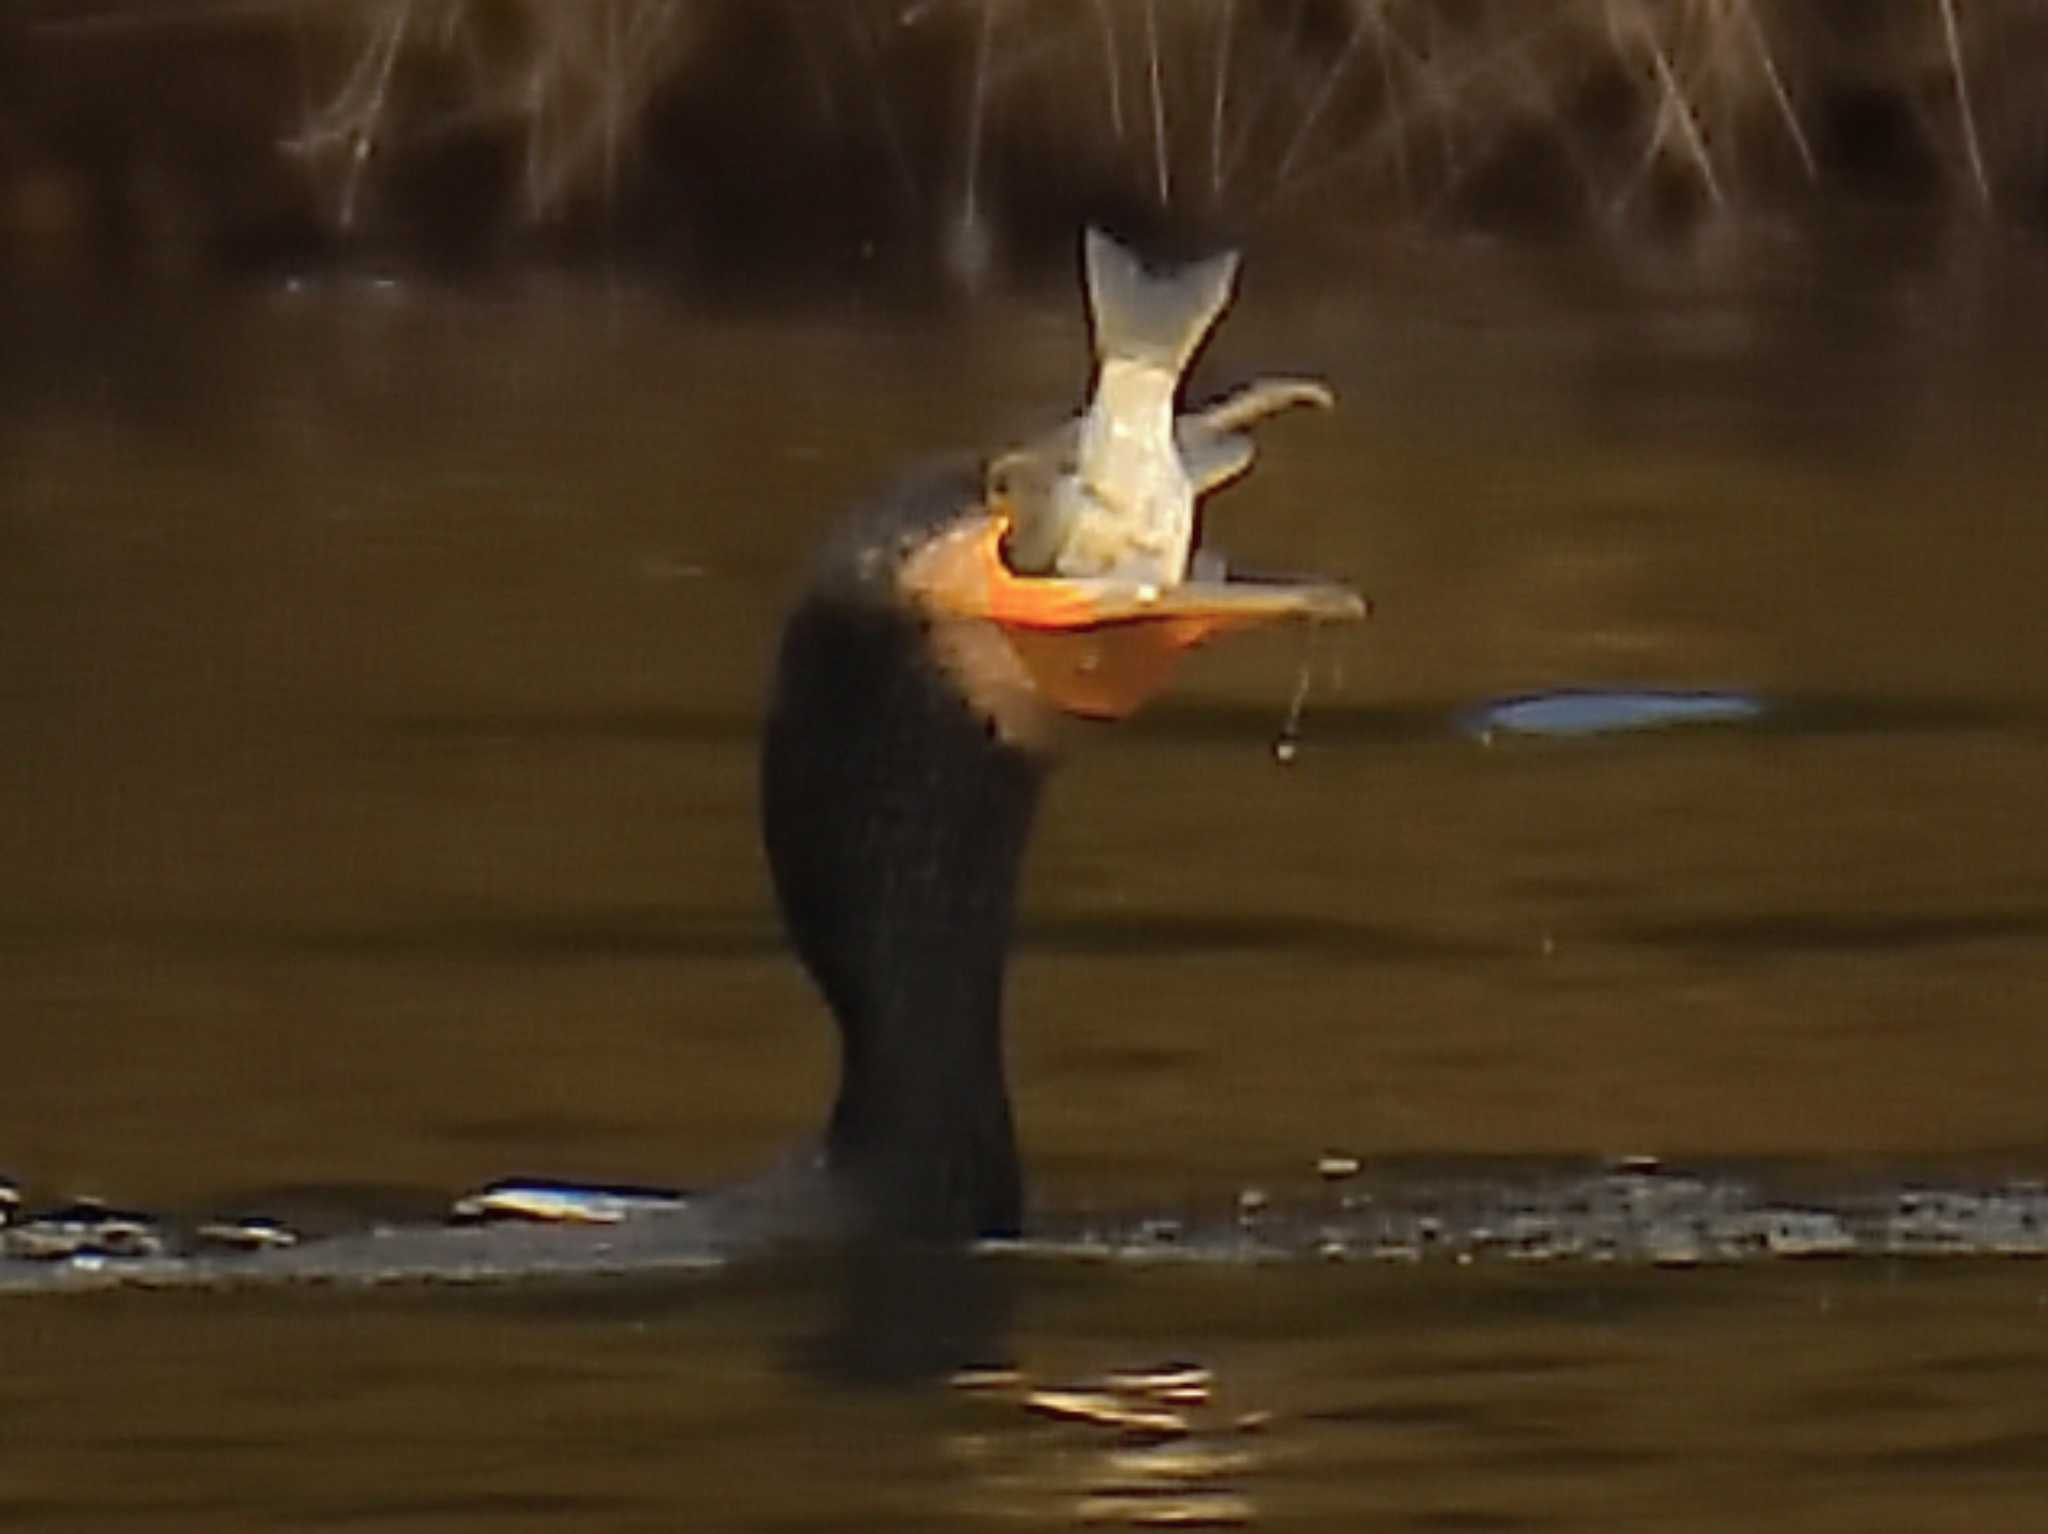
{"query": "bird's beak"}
pixel 1102 648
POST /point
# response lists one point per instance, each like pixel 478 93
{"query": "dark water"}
pixel 379 673
pixel 1817 1399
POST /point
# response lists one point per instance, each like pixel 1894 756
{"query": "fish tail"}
pixel 1155 317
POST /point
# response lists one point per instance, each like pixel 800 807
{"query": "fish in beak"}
pixel 1085 557
pixel 1111 495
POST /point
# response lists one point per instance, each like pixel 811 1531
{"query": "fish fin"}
pixel 1213 443
pixel 1210 458
pixel 1263 397
pixel 1155 317
pixel 1024 485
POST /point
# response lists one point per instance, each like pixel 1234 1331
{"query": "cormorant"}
pixel 919 691
pixel 915 711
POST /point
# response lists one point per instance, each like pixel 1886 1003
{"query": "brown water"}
pixel 379 673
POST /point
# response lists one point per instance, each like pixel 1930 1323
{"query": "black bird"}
pixel 915 713
pixel 918 699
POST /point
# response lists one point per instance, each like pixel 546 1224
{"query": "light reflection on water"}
pixel 379 678
pixel 1818 1397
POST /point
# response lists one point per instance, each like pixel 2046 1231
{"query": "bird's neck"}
pixel 895 825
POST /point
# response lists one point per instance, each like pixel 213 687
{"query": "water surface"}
pixel 381 671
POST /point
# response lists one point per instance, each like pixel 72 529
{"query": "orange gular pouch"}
pixel 1101 648
pixel 1110 669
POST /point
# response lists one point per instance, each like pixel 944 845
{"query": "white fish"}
pixel 1112 495
pixel 1129 504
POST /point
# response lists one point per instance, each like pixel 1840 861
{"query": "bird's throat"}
pixel 896 819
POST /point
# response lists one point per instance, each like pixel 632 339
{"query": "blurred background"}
pixel 960 140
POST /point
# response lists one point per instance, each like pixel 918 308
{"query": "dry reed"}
pixel 960 120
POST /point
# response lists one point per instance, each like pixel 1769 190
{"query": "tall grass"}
pixel 960 126
pixel 568 84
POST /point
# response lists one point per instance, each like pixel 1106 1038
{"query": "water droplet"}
pixel 1287 744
